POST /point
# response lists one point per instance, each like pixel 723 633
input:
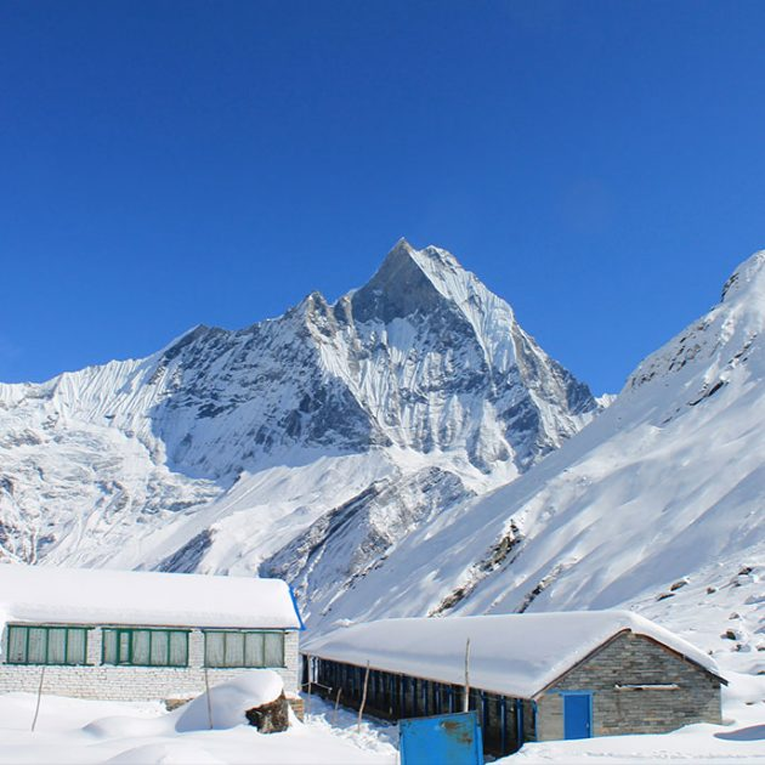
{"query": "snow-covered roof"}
pixel 516 655
pixel 45 594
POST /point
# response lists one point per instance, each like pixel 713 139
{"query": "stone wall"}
pixel 632 659
pixel 96 681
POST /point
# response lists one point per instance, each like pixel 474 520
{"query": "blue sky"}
pixel 599 165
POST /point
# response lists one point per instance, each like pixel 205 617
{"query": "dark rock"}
pixel 273 717
pixel 174 703
pixel 187 559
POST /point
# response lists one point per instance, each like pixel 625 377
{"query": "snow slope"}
pixel 223 448
pixel 656 506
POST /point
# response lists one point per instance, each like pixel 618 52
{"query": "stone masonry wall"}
pixel 95 681
pixel 634 660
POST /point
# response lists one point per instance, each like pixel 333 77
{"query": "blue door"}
pixel 577 715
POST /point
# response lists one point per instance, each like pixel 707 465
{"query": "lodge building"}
pixel 533 677
pixel 136 636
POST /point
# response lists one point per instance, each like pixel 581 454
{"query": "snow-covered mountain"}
pixel 658 505
pixel 329 433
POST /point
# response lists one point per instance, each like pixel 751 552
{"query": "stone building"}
pixel 141 635
pixel 532 677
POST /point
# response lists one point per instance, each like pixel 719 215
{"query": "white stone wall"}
pixel 94 681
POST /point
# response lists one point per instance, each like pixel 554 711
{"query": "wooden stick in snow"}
pixel 308 698
pixel 466 706
pixel 337 704
pixel 363 699
pixel 39 696
pixel 209 701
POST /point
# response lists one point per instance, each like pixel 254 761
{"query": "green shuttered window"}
pixel 240 648
pixel 41 644
pixel 145 647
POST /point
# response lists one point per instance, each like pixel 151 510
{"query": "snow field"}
pixel 73 731
pixel 739 741
pixel 95 732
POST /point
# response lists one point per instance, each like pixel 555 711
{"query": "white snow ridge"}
pixel 225 447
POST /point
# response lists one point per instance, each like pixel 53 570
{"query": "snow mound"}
pixel 229 701
pixel 125 726
pixel 165 754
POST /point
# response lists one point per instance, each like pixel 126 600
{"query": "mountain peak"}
pixel 401 287
pixel 411 281
pixel 751 273
pixel 402 244
pixel 719 341
pixel 430 260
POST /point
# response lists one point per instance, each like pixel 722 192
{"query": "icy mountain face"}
pixel 217 451
pixel 348 541
pixel 455 367
pixel 67 483
pixel 657 506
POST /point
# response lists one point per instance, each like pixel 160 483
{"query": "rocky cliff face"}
pixel 423 357
pixel 228 436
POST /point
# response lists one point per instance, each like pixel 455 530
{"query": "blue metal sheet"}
pixel 453 739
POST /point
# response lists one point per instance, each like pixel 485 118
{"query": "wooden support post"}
pixel 337 704
pixel 466 705
pixel 503 725
pixel 363 698
pixel 309 669
pixel 39 696
pixel 209 700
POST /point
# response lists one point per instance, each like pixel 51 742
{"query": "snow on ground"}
pixel 90 732
pixel 740 741
pixel 73 731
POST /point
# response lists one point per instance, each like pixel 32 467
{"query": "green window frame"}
pixel 144 647
pixel 244 649
pixel 49 644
